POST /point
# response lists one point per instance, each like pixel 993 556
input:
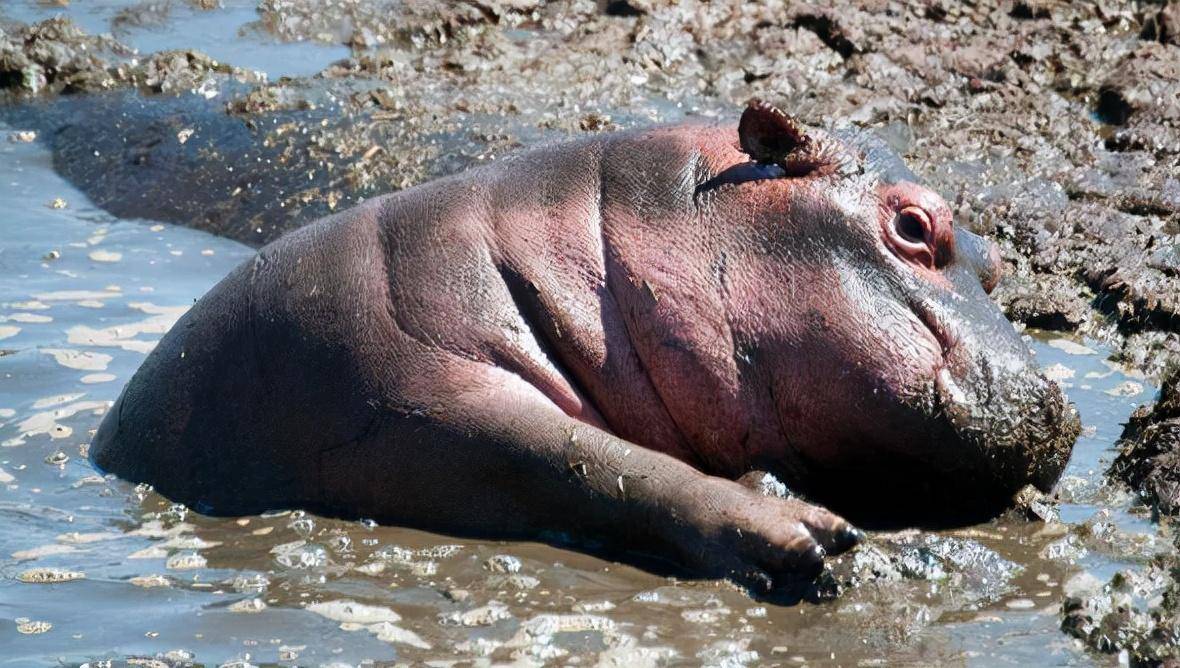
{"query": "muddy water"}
pixel 94 568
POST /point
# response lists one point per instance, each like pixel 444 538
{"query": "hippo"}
pixel 613 341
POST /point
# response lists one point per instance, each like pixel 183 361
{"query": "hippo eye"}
pixel 911 225
pixel 911 236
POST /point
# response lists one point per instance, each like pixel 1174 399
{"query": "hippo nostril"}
pixel 995 268
pixel 983 257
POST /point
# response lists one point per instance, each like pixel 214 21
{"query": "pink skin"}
pixel 595 339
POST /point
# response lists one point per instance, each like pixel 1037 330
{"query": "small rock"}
pixel 502 563
pixel 28 627
pixel 248 605
pixel 1034 504
pixel 49 575
pixel 150 581
pixel 185 561
pixel 349 611
pixel 482 616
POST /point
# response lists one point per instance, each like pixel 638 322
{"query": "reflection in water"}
pixel 91 564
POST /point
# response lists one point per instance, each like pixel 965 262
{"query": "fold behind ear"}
pixel 768 134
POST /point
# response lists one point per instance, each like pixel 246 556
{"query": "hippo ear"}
pixel 768 134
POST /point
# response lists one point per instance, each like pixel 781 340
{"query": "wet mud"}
pixel 1052 127
pixel 1149 457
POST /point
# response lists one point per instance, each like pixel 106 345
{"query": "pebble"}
pixel 105 256
pixel 1070 347
pixel 248 605
pixel 349 611
pixel 150 581
pixel 705 615
pixel 49 575
pixel 185 561
pixel 482 616
pixel 28 627
pixel 503 563
pixel 1127 388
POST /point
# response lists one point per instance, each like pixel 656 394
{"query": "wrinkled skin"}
pixel 597 339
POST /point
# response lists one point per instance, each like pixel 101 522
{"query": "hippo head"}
pixel 897 389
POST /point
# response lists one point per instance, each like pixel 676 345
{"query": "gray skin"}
pixel 607 340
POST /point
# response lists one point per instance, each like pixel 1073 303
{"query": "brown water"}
pixel 83 297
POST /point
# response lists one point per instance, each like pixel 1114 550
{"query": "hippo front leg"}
pixel 502 460
pixel 642 500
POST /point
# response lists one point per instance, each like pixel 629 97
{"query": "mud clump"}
pixel 55 56
pixel 183 71
pixel 963 566
pixel 1136 612
pixel 363 24
pixel 1149 460
pixel 1044 301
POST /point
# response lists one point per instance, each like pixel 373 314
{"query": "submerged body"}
pixel 597 339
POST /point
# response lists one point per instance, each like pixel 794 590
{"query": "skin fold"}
pixel 603 339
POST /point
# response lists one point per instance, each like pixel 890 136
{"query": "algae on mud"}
pixel 1052 127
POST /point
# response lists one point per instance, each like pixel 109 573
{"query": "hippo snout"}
pixel 987 424
pixel 1013 432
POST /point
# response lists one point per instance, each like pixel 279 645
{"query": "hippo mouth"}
pixel 982 431
pixel 1013 418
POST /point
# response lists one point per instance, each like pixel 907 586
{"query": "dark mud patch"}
pixel 1149 456
pixel 185 160
pixel 55 56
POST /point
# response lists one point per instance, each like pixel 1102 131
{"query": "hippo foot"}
pixel 762 542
